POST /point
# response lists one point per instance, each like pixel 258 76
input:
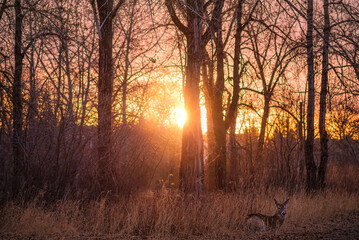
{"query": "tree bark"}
pixel 105 86
pixel 19 167
pixel 219 127
pixel 191 167
pixel 215 98
pixel 231 118
pixel 311 168
pixel 323 100
pixel 208 81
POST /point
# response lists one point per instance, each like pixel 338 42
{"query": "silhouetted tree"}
pixel 191 169
pixel 322 169
pixel 309 142
pixel 104 12
pixel 214 92
pixel 19 165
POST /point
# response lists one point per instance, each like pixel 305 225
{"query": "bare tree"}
pixel 309 142
pixel 323 100
pixel 214 92
pixel 191 169
pixel 104 12
pixel 232 111
pixel 273 50
pixel 19 167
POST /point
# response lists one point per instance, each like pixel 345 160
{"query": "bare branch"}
pixel 95 13
pixel 34 38
pixel 250 15
pixel 175 18
pixel 213 24
pixel 115 9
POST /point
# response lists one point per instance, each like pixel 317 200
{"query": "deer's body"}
pixel 259 222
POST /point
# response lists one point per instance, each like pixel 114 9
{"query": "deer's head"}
pixel 281 208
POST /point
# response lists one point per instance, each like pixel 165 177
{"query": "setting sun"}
pixel 180 116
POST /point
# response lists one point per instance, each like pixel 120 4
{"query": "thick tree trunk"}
pixel 208 75
pixel 309 143
pixel 232 111
pixel 219 128
pixel 191 167
pixel 221 124
pixel 323 101
pixel 19 166
pixel 105 85
pixel 231 118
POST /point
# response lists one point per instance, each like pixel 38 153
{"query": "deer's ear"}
pixel 286 202
pixel 276 203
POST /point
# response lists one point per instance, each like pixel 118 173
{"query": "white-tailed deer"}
pixel 259 222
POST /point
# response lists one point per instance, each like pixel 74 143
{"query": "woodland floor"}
pixel 339 227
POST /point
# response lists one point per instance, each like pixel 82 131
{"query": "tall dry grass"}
pixel 167 214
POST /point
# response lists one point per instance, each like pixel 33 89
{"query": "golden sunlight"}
pixel 180 116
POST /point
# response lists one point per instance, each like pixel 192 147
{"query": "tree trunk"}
pixel 309 143
pixel 233 157
pixel 33 94
pixel 105 85
pixel 266 109
pixel 323 101
pixel 215 99
pixel 19 167
pixel 219 128
pixel 208 75
pixel 231 118
pixel 191 167
pixel 301 144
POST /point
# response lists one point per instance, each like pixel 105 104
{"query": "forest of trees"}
pixel 91 89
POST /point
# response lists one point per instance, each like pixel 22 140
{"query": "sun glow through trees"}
pixel 180 116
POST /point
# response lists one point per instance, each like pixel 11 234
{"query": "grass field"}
pixel 170 215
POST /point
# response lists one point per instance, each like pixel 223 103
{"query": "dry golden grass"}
pixel 167 215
